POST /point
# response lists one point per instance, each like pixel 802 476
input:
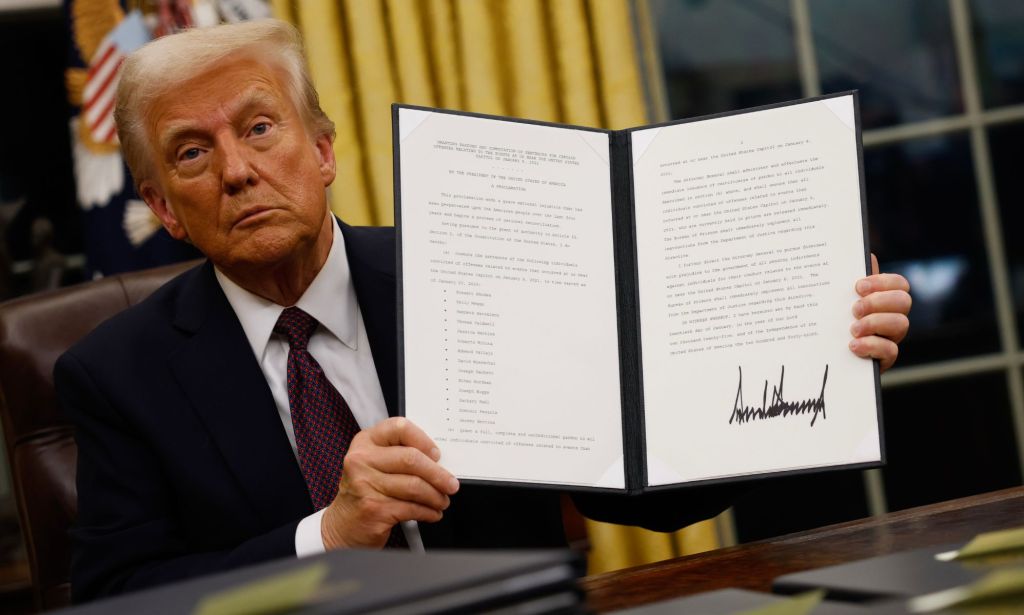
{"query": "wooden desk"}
pixel 755 565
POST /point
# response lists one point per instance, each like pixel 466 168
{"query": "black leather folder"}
pixel 388 582
pixel 899 575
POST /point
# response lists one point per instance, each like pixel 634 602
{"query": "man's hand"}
pixel 390 475
pixel 881 313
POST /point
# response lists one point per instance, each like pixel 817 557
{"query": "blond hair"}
pixel 168 62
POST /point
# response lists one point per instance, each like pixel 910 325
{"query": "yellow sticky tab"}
pixel 993 542
pixel 992 593
pixel 274 594
pixel 801 604
pixel 1001 584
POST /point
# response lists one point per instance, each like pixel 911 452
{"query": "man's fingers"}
pixel 400 431
pixel 404 460
pixel 875 347
pixel 882 282
pixel 390 475
pixel 888 325
pixel 881 314
pixel 404 448
pixel 896 301
pixel 413 489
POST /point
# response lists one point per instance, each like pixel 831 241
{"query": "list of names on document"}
pixel 507 275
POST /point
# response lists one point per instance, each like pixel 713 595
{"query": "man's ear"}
pixel 154 197
pixel 325 156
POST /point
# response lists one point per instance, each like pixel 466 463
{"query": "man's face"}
pixel 236 169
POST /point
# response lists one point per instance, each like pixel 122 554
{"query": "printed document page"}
pixel 750 240
pixel 510 330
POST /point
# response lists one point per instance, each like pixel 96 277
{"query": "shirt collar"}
pixel 321 301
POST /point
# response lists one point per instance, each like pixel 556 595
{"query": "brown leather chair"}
pixel 34 331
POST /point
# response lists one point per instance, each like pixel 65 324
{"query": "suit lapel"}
pixel 222 379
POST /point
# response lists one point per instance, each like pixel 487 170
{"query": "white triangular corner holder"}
pixel 642 139
pixel 842 108
pixel 409 120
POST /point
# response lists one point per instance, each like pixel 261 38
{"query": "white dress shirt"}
pixel 339 345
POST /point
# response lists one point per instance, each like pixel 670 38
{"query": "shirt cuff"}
pixel 308 539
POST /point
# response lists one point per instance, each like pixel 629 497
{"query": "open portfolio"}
pixel 638 309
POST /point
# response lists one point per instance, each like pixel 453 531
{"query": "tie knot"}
pixel 295 325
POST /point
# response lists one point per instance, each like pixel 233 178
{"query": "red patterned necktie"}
pixel 323 423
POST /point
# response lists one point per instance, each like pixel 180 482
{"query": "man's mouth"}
pixel 252 215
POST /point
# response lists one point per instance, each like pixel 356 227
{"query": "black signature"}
pixel 779 407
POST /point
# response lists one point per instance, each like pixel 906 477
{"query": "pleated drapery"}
pixel 571 61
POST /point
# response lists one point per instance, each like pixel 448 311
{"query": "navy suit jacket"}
pixel 184 467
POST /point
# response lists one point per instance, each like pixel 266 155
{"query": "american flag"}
pixel 104 70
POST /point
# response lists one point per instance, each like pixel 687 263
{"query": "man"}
pixel 207 416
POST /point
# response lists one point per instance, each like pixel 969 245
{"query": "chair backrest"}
pixel 34 331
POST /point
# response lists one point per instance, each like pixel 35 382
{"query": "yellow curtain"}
pixel 571 61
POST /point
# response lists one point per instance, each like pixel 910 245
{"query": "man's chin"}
pixel 258 256
pixel 265 246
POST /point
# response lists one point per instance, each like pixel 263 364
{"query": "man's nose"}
pixel 237 170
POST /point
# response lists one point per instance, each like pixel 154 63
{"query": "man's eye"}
pixel 261 128
pixel 190 154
